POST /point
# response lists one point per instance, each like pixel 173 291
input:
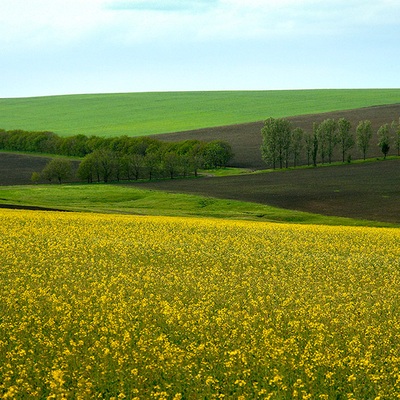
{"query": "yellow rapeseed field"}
pixel 113 307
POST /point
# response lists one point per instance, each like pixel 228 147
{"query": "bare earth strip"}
pixel 364 191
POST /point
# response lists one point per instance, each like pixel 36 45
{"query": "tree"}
pixel 196 154
pixel 297 144
pixel 171 163
pixel 57 168
pixel 101 163
pixel 269 147
pixel 346 139
pixel 315 144
pixel 329 127
pixel 322 141
pixel 276 141
pixel 42 142
pixel 152 163
pixel 309 144
pixel 74 145
pixel 284 141
pixel 186 164
pixel 87 169
pixel 35 177
pixel 364 135
pixel 396 130
pixel 118 165
pixel 136 162
pixel 119 144
pixel 106 161
pixel 217 154
pixel 384 139
pixel 95 143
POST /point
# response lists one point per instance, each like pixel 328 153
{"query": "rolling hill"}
pixel 138 114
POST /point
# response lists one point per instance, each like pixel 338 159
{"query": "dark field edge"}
pixel 31 208
pixel 366 191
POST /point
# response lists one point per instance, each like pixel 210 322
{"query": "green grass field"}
pixel 120 199
pixel 137 114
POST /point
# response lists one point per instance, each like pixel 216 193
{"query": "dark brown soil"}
pixel 34 208
pixel 246 139
pixel 365 191
pixel 17 169
pixel 368 191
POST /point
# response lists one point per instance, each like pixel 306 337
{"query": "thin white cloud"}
pixel 33 22
pixel 162 5
pixel 253 19
pixel 47 21
pixel 165 44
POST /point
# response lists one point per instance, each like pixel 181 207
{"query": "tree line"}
pixel 107 159
pixel 154 159
pixel 283 145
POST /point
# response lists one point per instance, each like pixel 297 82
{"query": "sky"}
pixel 54 47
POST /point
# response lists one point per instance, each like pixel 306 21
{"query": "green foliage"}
pixel 146 160
pixel 125 157
pixel 345 137
pixel 364 135
pixel 74 146
pixel 140 114
pixel 279 140
pixel 384 139
pixel 328 139
pixel 315 144
pixel 309 146
pixel 171 163
pixel 88 168
pixel 35 177
pixel 36 142
pixel 277 137
pixel 396 130
pixel 297 144
pixel 57 168
pixel 217 154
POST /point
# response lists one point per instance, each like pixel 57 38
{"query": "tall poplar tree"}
pixel 384 139
pixel 364 135
pixel 276 143
pixel 328 138
pixel 396 131
pixel 346 139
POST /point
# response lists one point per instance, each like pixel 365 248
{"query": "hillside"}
pixel 363 191
pixel 246 139
pixel 138 114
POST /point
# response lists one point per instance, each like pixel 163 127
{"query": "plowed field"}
pixel 364 191
pixel 246 140
pixel 367 191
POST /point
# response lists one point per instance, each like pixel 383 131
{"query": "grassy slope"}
pixel 149 113
pixel 122 199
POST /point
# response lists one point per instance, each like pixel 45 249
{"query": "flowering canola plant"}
pixel 112 307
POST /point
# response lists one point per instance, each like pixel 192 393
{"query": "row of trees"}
pixel 153 159
pixel 122 157
pixel 282 144
pixel 81 145
pixel 169 160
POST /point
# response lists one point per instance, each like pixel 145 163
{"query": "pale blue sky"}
pixel 53 47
